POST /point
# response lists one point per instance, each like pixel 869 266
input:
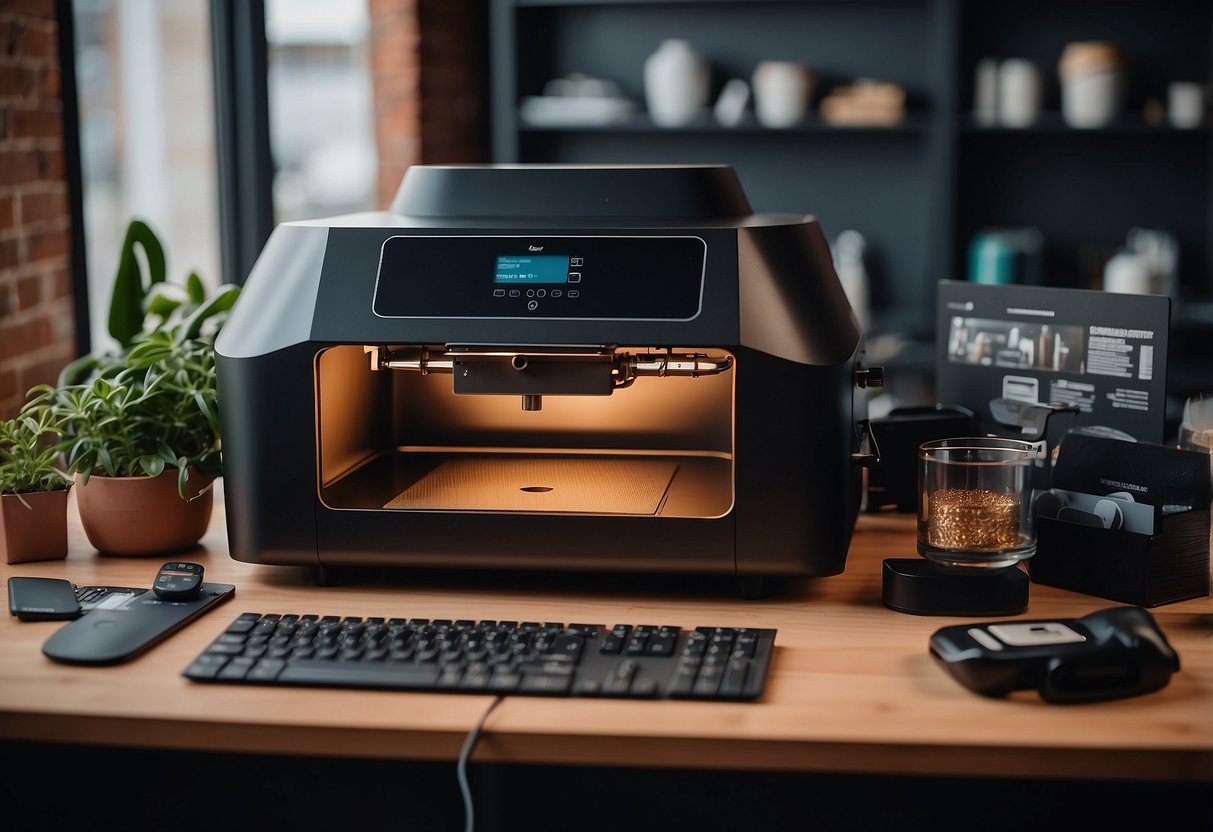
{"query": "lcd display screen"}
pixel 526 268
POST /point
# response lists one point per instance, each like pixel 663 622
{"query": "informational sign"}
pixel 1101 352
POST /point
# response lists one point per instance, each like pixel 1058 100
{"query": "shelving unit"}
pixel 920 190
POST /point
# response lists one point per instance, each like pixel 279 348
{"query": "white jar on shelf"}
pixel 1092 77
pixel 676 81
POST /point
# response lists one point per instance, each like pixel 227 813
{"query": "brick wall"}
pixel 37 336
pixel 428 61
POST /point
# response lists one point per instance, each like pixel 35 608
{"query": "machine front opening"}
pixel 536 430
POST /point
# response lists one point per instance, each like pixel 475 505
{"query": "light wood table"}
pixel 852 687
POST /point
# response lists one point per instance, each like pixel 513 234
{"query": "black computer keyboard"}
pixel 507 657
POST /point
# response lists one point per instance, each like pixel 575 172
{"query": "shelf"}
pixel 919 194
pixel 642 124
pixel 1053 123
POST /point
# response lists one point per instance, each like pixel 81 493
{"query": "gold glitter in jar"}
pixel 960 519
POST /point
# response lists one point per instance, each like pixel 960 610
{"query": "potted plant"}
pixel 140 424
pixel 33 490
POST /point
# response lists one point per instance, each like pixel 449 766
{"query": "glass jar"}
pixel 975 501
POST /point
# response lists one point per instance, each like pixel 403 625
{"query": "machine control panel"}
pixel 616 277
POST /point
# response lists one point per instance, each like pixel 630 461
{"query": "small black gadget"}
pixel 1110 654
pixel 178 581
pixel 42 599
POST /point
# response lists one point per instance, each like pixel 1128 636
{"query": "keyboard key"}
pixel 226 649
pixel 568 645
pixel 661 645
pixel 205 670
pixel 708 681
pixel 636 645
pixel 557 683
pixel 475 677
pixel 644 688
pixel 352 674
pixel 237 668
pixel 684 680
pixel 734 677
pixel 450 676
pixel 504 680
pixel 611 645
pixel 266 670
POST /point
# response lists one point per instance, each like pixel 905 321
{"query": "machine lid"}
pixel 561 191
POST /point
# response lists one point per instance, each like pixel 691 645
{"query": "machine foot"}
pixel 324 575
pixel 750 587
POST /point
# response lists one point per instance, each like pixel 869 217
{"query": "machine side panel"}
pixel 797 491
pixel 268 415
pixel 784 311
pixel 266 402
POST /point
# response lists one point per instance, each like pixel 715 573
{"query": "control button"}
pixel 532 305
pixel 515 293
pixel 556 293
pixel 573 293
pixel 574 277
pixel 499 293
pixel 539 293
pixel 530 293
pixel 575 261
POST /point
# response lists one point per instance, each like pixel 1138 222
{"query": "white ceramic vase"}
pixel 676 81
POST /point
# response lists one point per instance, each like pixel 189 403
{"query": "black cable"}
pixel 462 768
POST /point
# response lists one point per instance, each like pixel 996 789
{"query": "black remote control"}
pixel 178 581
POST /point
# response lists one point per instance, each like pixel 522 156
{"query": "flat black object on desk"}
pixel 466 656
pixel 112 635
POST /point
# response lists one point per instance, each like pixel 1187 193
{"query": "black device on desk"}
pixel 614 368
pixel 505 657
pixel 1109 654
pixel 42 599
pixel 123 623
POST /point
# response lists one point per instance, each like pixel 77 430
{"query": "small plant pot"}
pixel 143 515
pixel 38 532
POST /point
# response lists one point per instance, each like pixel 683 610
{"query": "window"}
pixel 147 137
pixel 322 123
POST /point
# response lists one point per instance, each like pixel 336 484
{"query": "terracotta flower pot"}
pixel 35 533
pixel 143 515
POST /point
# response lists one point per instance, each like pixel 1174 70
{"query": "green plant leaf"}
pixel 195 288
pixel 126 301
pixel 76 371
pixel 223 301
pixel 107 461
pixel 153 466
pixel 165 298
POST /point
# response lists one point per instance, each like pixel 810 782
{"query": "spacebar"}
pixel 349 674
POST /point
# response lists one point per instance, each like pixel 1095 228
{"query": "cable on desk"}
pixel 462 768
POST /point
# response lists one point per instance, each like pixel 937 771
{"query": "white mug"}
pixel 1185 104
pixel 782 90
pixel 1019 89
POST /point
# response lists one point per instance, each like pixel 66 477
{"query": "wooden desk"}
pixel 852 688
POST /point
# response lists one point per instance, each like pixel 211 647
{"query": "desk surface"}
pixel 852 687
